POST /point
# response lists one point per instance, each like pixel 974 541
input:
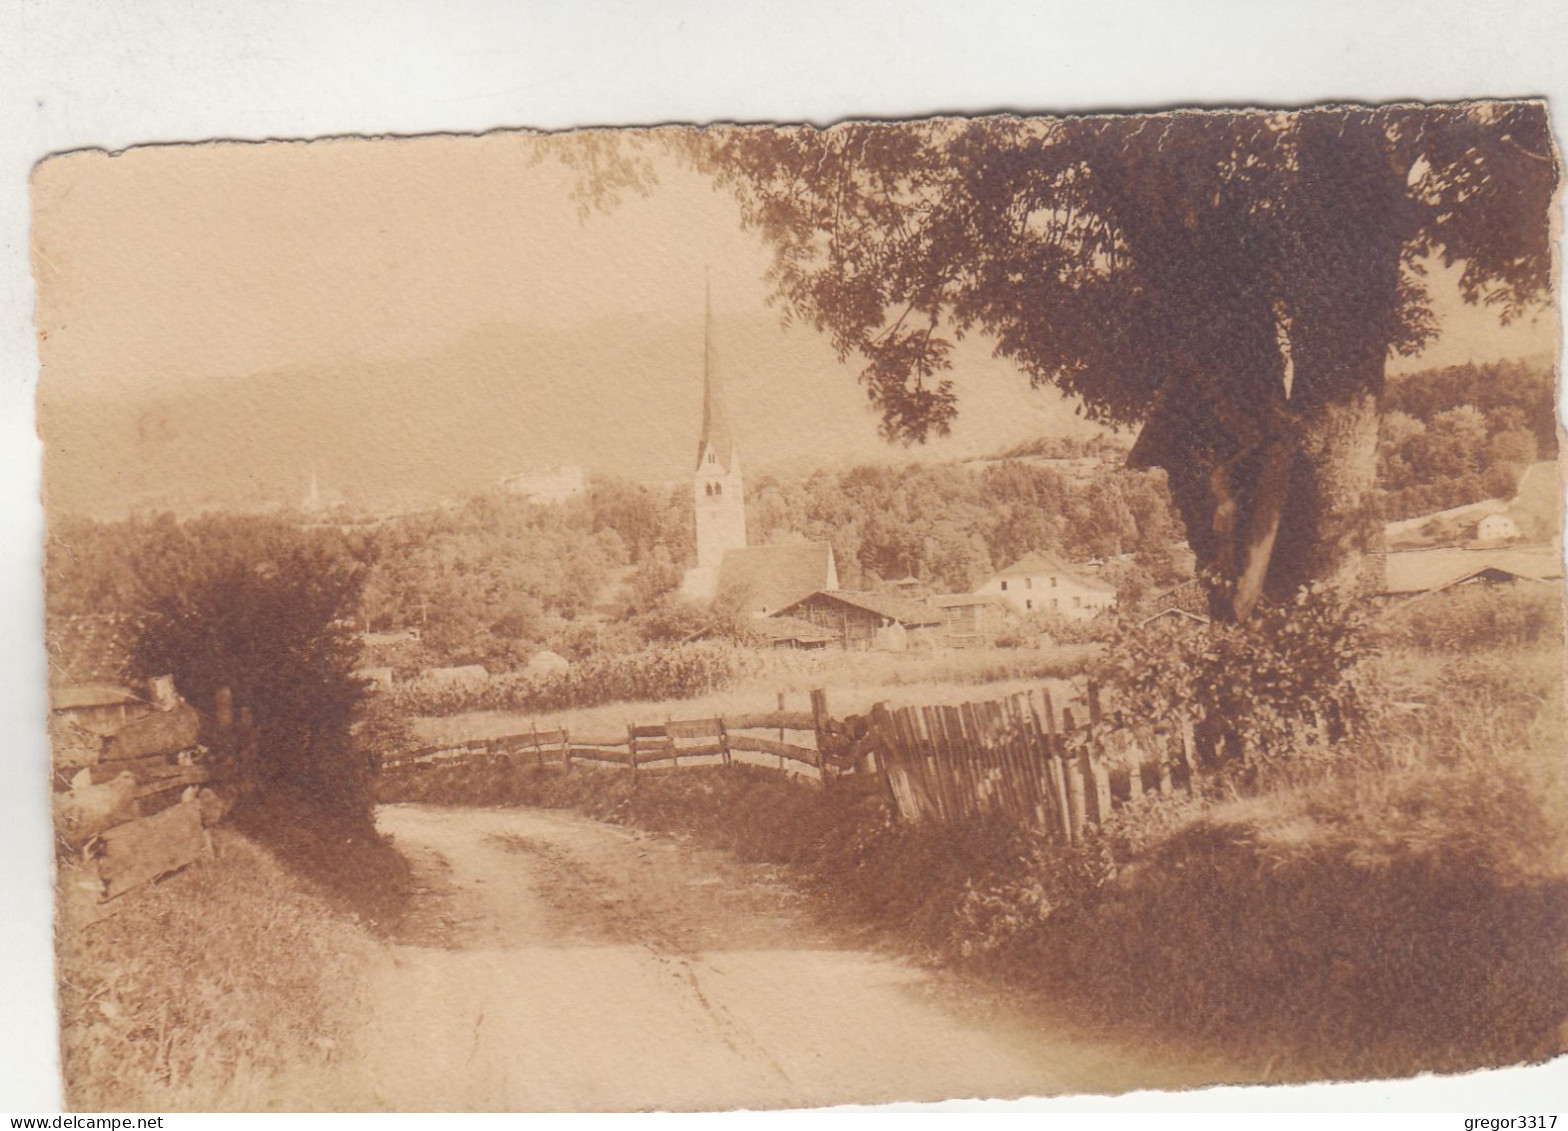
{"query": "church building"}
pixel 762 579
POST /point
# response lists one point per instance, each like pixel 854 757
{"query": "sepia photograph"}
pixel 778 616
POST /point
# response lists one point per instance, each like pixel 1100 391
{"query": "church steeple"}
pixel 716 437
pixel 718 491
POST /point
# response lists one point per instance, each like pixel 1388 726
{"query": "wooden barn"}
pixel 864 621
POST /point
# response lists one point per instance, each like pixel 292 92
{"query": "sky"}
pixel 168 274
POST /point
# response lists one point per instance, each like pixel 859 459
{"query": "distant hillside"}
pixel 1463 434
pixel 615 396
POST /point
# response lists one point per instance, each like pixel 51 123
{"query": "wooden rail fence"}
pixel 1061 768
pixel 795 742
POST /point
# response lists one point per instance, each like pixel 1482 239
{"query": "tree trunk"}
pixel 1330 522
pixel 1342 294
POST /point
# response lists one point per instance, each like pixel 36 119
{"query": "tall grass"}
pixel 217 989
pixel 1380 906
pixel 658 673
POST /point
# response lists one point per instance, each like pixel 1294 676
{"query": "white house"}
pixel 1041 583
pixel 1497 528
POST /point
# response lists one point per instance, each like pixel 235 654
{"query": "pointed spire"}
pixel 715 423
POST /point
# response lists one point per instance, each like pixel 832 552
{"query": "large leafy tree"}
pixel 267 611
pixel 1230 283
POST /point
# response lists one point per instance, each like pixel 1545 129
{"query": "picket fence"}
pixel 1019 757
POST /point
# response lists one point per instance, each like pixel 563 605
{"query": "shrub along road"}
pixel 555 962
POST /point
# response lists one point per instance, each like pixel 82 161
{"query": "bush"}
pixel 1478 616
pixel 265 610
pixel 1047 628
pixel 678 672
pixel 1291 677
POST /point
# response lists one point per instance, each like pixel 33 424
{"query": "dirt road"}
pixel 556 963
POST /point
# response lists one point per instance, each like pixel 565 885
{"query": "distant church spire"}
pixel 715 421
pixel 718 491
pixel 313 493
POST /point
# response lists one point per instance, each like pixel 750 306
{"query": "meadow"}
pixel 1388 903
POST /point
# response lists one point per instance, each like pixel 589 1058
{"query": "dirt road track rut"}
pixel 552 962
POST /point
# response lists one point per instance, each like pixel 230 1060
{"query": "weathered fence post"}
pixel 821 723
pixel 886 737
pixel 538 749
pixel 246 748
pixel 1053 767
pixel 1096 779
pixel 631 749
pixel 223 716
pixel 1075 793
pixel 566 748
pixel 1189 750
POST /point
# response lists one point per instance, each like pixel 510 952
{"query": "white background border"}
pixel 78 73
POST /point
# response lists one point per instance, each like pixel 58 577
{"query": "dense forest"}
pixel 1462 434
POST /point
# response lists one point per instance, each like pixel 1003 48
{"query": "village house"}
pixel 1041 583
pixel 862 622
pixel 1497 528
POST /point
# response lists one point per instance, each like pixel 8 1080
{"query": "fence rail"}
pixel 795 742
pixel 1061 767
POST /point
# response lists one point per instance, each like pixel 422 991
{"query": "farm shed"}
pixel 792 632
pixel 1410 573
pixel 971 620
pixel 864 621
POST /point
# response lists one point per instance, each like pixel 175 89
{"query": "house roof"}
pixel 1092 583
pixel 1036 562
pixel 76 697
pixel 963 600
pixel 86 650
pixel 1189 597
pixel 1424 571
pixel 1175 613
pixel 1040 562
pixel 770 577
pixel 887 605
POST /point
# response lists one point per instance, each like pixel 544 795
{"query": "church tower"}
pixel 718 491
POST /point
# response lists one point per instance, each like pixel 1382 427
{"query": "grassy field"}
pixel 854 681
pixel 233 985
pixel 1395 903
